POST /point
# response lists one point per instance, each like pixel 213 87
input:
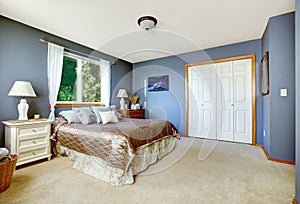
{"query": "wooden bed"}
pixel 113 152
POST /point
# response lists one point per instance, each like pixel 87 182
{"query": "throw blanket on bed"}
pixel 115 143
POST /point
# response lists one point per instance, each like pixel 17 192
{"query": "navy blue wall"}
pixel 172 103
pixel 278 111
pixel 297 69
pixel 121 78
pixel 23 57
pixel 266 99
pixel 169 105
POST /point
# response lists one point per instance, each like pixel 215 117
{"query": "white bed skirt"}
pixel 98 168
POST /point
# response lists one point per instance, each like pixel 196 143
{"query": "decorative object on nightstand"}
pixel 136 114
pixel 122 94
pixel 135 106
pixel 22 89
pixel 29 140
pixel 133 100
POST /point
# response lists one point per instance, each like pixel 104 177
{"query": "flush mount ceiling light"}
pixel 147 22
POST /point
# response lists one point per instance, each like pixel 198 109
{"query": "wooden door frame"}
pixel 253 86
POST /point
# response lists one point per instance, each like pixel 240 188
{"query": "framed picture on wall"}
pixel 158 83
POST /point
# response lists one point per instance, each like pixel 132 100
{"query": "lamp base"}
pixel 122 104
pixel 23 109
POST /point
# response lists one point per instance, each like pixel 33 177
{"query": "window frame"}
pixel 64 104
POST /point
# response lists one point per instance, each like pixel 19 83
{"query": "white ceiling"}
pixel 111 26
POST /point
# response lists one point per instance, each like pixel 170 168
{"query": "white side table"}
pixel 28 139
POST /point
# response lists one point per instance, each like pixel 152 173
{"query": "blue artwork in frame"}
pixel 158 83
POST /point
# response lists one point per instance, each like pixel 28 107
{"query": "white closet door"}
pixel 194 101
pixel 242 101
pixel 225 101
pixel 202 100
pixel 208 101
pixel 220 101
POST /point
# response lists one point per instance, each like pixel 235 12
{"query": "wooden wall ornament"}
pixel 264 71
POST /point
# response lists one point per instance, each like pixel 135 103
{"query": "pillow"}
pixel 97 109
pixel 119 115
pixel 70 116
pixel 85 115
pixel 108 116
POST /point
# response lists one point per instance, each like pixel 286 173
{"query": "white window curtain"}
pixel 55 63
pixel 105 72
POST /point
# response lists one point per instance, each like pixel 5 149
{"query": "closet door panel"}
pixel 241 122
pixel 240 89
pixel 242 101
pixel 208 104
pixel 207 122
pixel 194 108
pixel 224 101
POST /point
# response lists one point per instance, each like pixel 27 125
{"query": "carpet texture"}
pixel 197 171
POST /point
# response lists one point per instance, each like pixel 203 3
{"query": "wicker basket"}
pixel 6 171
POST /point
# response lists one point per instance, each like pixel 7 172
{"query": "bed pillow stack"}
pixel 77 115
pixel 88 115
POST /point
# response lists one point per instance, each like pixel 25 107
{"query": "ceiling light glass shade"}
pixel 147 22
pixel 22 88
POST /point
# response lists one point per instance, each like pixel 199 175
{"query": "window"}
pixel 80 80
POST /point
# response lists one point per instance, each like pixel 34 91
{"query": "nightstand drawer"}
pixel 137 114
pixel 32 130
pixel 30 154
pixel 37 140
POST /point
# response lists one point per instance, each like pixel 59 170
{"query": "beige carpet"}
pixel 198 171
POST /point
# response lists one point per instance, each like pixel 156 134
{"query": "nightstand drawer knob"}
pixel 33 130
pixel 34 142
pixel 33 153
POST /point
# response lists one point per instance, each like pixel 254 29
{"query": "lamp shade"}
pixel 122 93
pixel 22 88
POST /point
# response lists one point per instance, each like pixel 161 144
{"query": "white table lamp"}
pixel 122 94
pixel 22 89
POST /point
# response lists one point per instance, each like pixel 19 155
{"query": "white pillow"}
pixel 119 115
pixel 108 116
pixel 70 116
pixel 97 109
pixel 86 116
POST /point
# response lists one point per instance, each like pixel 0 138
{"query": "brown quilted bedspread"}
pixel 115 143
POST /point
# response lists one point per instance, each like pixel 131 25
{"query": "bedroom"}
pixel 21 41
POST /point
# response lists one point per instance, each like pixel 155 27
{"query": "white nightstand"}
pixel 28 139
